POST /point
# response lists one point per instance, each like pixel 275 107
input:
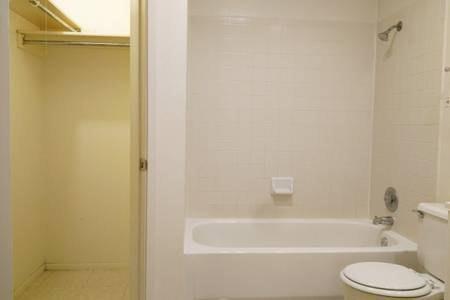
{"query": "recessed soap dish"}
pixel 282 185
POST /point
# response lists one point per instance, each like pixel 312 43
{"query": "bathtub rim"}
pixel 191 247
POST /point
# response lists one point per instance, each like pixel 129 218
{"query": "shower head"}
pixel 384 36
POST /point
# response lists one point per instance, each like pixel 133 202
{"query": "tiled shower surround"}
pixel 407 109
pixel 304 89
pixel 279 96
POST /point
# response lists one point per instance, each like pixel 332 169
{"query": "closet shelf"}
pixel 52 38
pixel 38 17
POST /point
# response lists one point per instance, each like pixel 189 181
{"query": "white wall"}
pixel 167 150
pixel 280 89
pixel 6 277
pixel 87 141
pixel 407 108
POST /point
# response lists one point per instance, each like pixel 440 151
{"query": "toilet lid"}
pixel 385 276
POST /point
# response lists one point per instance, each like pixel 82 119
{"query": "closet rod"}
pixel 42 7
pixel 74 43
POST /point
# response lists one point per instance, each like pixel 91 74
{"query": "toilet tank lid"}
pixel 435 209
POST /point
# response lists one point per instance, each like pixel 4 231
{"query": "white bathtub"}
pixel 268 258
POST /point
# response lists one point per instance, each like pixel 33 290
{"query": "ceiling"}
pixel 98 16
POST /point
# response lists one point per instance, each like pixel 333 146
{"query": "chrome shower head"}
pixel 384 36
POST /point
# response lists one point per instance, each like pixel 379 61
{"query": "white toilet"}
pixel 377 281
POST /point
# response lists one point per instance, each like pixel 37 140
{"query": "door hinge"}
pixel 143 164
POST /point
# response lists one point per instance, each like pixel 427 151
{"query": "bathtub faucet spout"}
pixel 389 221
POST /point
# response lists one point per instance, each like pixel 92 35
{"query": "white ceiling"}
pixel 98 16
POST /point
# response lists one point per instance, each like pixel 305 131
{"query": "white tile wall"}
pixel 407 108
pixel 444 131
pixel 344 10
pixel 278 96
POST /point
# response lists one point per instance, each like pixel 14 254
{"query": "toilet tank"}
pixel 433 239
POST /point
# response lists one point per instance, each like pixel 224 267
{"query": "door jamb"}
pixel 138 149
pixel 6 272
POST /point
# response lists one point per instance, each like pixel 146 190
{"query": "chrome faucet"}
pixel 389 221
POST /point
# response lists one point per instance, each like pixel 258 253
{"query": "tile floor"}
pixel 79 285
pixel 289 298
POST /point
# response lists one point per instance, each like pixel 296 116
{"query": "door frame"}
pixel 138 149
pixel 6 273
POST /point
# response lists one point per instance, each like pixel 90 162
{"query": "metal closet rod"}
pixel 42 7
pixel 74 43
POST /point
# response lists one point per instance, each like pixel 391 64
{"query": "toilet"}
pixel 381 281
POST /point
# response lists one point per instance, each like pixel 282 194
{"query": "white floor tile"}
pixel 79 285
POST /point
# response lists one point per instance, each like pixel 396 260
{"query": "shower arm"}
pixel 398 26
pixel 38 4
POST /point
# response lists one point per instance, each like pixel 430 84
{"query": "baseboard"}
pixel 35 274
pixel 89 266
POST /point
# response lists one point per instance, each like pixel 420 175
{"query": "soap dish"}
pixel 282 185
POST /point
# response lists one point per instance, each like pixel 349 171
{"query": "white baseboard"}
pixel 35 274
pixel 89 266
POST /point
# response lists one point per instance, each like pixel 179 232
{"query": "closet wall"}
pixel 87 155
pixel 27 99
pixel 70 164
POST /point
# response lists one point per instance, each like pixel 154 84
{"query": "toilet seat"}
pixel 385 279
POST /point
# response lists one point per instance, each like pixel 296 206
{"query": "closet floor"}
pixel 79 285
